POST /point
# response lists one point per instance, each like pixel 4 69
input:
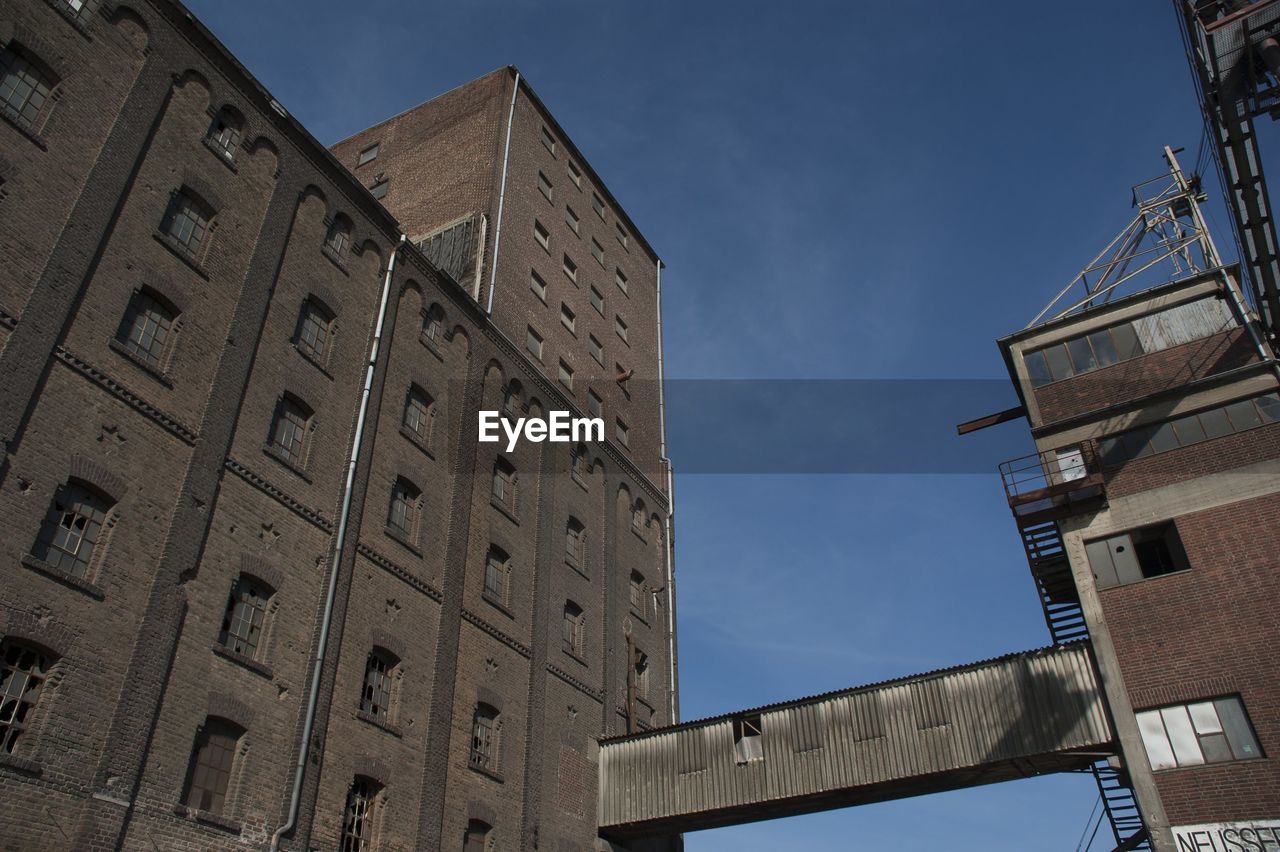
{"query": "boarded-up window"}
pixel 806 728
pixel 691 751
pixel 930 703
pixel 866 720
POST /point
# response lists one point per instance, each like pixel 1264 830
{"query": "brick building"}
pixel 1151 517
pixel 261 580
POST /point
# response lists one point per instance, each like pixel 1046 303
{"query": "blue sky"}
pixel 840 191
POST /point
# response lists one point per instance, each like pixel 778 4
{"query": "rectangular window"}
pixel 542 235
pixel 537 285
pixel 623 432
pixel 70 530
pixel 597 204
pixel 290 433
pixel 417 414
pixel 357 818
pixel 1190 429
pixel 533 343
pixel 620 279
pixel 570 269
pixel 379 189
pixel 495 575
pixel 23 88
pixel 571 218
pixel 567 318
pixel 548 140
pixel 544 186
pixel 622 234
pixel 574 174
pixel 1136 555
pixel 596 350
pixel 368 155
pixel 566 375
pixel 595 405
pixel 748 739
pixel 597 251
pixel 1213 731
pixel 620 326
pixel 375 698
pixel 597 301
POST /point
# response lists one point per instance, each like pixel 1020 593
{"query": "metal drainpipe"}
pixel 502 195
pixel 671 510
pixel 326 619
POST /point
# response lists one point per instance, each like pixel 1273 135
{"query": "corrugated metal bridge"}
pixel 1012 717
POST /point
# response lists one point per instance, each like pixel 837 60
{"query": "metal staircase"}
pixel 1121 807
pixel 1058 596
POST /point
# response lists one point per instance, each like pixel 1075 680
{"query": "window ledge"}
pixel 155 372
pixel 20 764
pixel 402 538
pixel 639 616
pixel 334 258
pixel 582 483
pixel 72 17
pixel 311 359
pixel 497 604
pixel 1235 761
pixel 383 724
pixel 577 566
pixel 244 661
pixel 218 152
pixel 63 576
pixel 505 509
pixel 273 452
pixel 488 773
pixel 19 124
pixel 575 657
pixel 213 820
pixel 416 439
pixel 181 253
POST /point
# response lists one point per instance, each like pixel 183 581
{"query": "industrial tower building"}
pixel 262 585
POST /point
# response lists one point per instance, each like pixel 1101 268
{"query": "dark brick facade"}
pixel 180 452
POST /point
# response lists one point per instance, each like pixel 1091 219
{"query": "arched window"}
pixel 639 516
pixel 23 670
pixel 212 761
pixel 147 328
pixel 419 414
pixel 578 462
pixel 225 133
pixel 289 431
pixel 575 543
pixel 375 697
pixel 337 237
pixel 433 327
pixel 245 616
pixel 25 85
pixel 357 816
pixel 186 223
pixel 511 399
pixel 497 568
pixel 573 628
pixel 315 329
pixel 477 836
pixel 638 595
pixel 504 483
pixel 71 529
pixel 402 516
pixel 486 731
pixel 640 671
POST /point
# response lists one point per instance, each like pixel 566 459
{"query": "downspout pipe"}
pixel 326 619
pixel 671 511
pixel 502 196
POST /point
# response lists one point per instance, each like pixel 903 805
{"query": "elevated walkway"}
pixel 1013 717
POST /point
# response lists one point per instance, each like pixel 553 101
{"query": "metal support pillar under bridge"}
pixel 1013 717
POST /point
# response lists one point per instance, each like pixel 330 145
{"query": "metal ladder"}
pixel 1121 807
